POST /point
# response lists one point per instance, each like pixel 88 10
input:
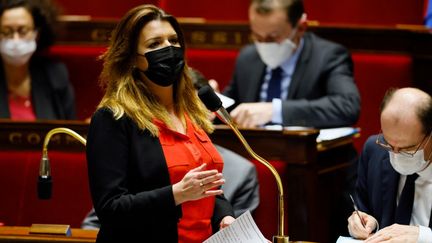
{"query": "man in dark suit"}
pixel 291 77
pixel 394 184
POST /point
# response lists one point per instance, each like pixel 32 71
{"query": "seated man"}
pixel 241 186
pixel 394 184
pixel 289 76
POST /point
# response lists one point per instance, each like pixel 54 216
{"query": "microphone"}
pixel 44 185
pixel 214 104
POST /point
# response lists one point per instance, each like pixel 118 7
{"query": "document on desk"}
pixel 242 230
pixel 343 239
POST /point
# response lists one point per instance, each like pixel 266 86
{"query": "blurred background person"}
pixel 31 85
pixel 290 76
pixel 153 172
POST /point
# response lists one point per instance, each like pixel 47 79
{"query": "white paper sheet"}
pixel 335 133
pixel 242 230
pixel 226 101
pixel 343 239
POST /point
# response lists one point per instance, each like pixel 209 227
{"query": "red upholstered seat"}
pixel 374 74
pixel 84 70
pixel 378 12
pixel 214 64
pixel 20 205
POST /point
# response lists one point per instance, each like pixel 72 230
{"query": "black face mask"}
pixel 165 65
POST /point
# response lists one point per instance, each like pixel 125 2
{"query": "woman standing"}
pixel 154 173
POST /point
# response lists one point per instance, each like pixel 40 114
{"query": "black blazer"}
pixel 377 183
pixel 52 94
pixel 130 184
pixel 322 92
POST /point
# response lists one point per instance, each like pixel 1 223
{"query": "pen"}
pixel 357 212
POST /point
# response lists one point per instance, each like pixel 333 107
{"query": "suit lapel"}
pixel 390 182
pixel 301 66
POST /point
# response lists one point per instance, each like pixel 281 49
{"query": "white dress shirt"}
pixel 422 206
pixel 288 67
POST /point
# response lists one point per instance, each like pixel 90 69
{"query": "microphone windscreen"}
pixel 44 187
pixel 209 98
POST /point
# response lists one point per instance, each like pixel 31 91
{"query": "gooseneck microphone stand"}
pixel 44 180
pixel 213 103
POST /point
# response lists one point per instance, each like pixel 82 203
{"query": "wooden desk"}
pixel 315 177
pixel 21 234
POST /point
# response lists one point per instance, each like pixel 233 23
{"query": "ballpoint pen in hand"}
pixel 357 212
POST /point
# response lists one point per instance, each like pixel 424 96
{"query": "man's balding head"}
pixel 407 107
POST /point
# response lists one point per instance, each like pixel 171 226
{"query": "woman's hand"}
pixel 226 221
pixel 197 184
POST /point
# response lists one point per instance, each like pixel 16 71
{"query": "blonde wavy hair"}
pixel 126 95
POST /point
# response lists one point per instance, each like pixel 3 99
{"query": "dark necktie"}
pixel 274 86
pixel 406 201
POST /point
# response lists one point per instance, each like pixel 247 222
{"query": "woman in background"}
pixel 154 173
pixel 31 86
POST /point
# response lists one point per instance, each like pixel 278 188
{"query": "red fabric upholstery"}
pixel 100 8
pixel 70 200
pixel 374 74
pixel 377 12
pixel 214 64
pixel 372 12
pixel 84 70
pixel 210 10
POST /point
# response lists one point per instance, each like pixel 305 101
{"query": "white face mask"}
pixel 274 54
pixel 406 165
pixel 17 51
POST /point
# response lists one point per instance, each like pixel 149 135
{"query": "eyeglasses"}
pixel 22 31
pixel 405 152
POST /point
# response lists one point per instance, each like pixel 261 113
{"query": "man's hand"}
pixel 395 233
pixel 252 114
pixel 214 84
pixel 355 226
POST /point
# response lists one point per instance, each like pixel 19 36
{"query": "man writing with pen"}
pixel 394 184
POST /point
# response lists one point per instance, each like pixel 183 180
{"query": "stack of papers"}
pixel 243 229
